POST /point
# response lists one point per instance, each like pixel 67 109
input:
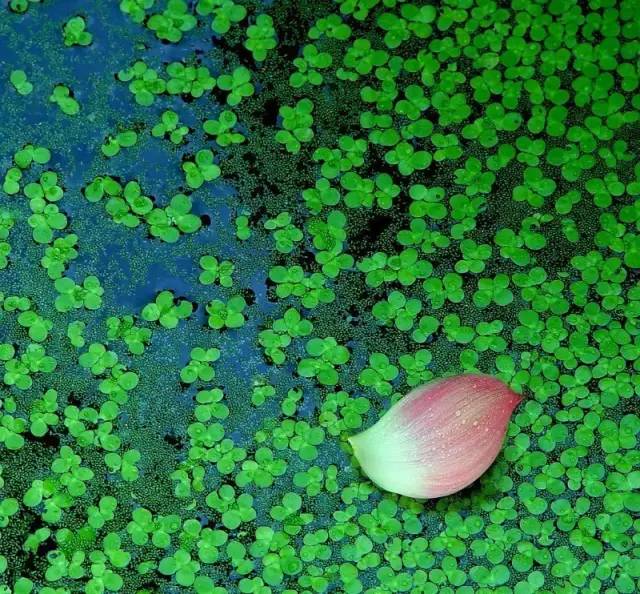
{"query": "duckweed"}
pixel 233 233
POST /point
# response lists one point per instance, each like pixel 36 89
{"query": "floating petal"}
pixel 439 438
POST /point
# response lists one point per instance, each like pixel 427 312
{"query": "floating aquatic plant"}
pixel 327 205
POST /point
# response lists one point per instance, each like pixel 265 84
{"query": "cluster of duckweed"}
pixel 233 233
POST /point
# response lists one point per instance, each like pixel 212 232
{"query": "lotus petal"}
pixel 439 438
